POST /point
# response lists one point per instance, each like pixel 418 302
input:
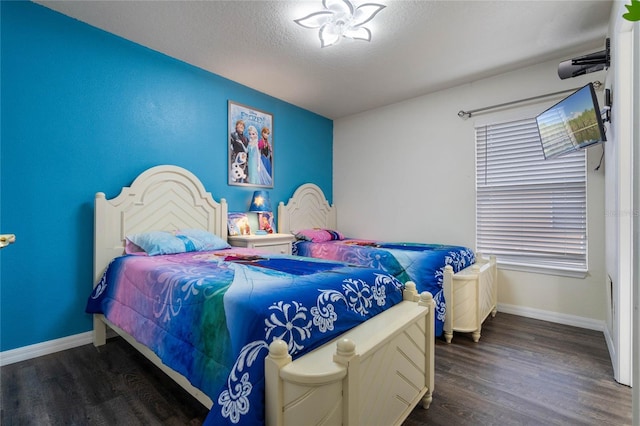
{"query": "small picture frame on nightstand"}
pixel 238 224
pixel 265 223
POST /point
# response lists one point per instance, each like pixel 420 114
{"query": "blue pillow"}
pixel 187 240
pixel 203 240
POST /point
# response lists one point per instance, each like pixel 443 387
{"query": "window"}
pixel 530 212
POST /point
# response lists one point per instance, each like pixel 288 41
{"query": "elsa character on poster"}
pixel 258 171
pixel 258 174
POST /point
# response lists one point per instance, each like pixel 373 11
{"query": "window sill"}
pixel 547 270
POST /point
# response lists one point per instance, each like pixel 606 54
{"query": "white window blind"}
pixel 530 211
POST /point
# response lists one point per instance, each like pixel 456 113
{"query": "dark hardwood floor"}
pixel 522 372
pixel 526 372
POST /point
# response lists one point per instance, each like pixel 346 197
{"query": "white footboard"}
pixel 470 296
pixel 374 374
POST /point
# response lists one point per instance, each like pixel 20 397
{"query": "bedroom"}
pixel 68 131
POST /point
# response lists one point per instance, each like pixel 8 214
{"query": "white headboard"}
pixel 162 198
pixel 307 208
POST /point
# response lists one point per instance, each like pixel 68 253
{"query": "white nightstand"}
pixel 271 243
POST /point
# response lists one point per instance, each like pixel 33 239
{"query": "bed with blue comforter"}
pixel 421 263
pixel 211 315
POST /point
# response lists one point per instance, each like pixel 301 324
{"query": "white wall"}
pixel 407 172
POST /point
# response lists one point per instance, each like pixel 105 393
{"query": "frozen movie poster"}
pixel 250 146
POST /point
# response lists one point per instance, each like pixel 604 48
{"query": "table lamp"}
pixel 260 203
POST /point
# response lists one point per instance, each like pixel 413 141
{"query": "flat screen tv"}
pixel 573 123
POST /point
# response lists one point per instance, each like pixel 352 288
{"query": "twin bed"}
pixel 464 287
pixel 256 337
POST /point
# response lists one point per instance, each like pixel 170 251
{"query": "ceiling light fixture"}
pixel 341 19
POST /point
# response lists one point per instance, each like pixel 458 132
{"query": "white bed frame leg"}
pixel 494 275
pixel 426 299
pixel 99 330
pixel 475 335
pixel 274 396
pixel 346 355
pixel 447 284
pixel 448 336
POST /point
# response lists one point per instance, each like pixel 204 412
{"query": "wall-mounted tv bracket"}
pixel 586 64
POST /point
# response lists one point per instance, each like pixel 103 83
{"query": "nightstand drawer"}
pixel 269 243
pixel 284 248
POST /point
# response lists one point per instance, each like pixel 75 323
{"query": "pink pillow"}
pixel 318 235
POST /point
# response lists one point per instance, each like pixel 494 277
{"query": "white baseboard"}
pixel 44 348
pixel 556 317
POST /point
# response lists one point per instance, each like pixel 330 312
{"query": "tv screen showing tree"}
pixel 571 124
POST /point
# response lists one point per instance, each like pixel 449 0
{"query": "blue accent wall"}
pixel 86 111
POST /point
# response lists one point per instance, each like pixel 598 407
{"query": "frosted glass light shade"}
pixel 341 19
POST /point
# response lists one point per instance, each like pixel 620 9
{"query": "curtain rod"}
pixel 466 114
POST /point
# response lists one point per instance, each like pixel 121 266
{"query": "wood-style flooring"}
pixel 526 372
pixel 522 372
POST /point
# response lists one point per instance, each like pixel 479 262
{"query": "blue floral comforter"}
pixel 421 263
pixel 211 315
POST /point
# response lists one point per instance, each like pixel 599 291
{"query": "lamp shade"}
pixel 260 202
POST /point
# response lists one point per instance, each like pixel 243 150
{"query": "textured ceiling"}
pixel 417 47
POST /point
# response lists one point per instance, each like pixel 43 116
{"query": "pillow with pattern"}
pixel 319 235
pixel 164 242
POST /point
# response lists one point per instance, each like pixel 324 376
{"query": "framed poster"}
pixel 250 146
